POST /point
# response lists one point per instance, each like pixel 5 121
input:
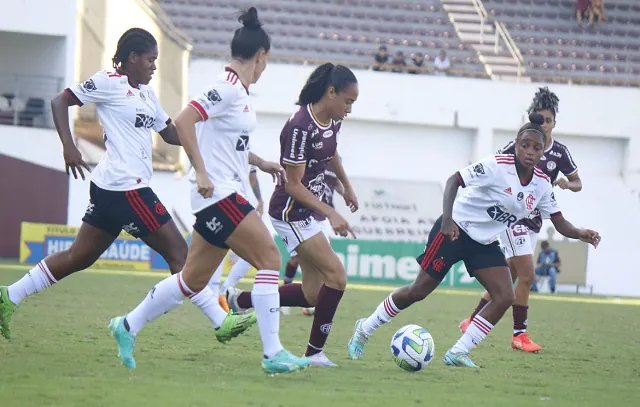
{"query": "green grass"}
pixel 62 355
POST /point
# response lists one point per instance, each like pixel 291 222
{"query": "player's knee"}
pixel 268 259
pixel 176 257
pixel 337 277
pixel 526 280
pixel 504 299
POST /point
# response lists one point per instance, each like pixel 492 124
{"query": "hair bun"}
pixel 249 19
pixel 536 118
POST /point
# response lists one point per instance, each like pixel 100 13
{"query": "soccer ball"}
pixel 412 348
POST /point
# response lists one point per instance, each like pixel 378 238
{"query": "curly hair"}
pixel 544 100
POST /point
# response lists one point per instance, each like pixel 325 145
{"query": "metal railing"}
pixel 25 100
pixel 501 34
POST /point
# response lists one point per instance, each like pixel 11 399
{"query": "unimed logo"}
pixel 378 266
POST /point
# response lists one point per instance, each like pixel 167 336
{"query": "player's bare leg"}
pixel 524 269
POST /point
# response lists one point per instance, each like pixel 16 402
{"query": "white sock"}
pixel 266 302
pixel 383 314
pixel 207 301
pixel 36 280
pixel 239 270
pixel 165 296
pixel 214 282
pixel 477 331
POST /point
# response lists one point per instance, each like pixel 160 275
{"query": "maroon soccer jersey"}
pixel 556 159
pixel 306 142
pixel 330 181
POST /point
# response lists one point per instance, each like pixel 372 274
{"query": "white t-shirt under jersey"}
pixel 493 198
pixel 223 138
pixel 127 114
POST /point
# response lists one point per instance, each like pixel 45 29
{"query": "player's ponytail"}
pixel 134 40
pixel 251 37
pixel 544 100
pixel 322 78
pixel 536 120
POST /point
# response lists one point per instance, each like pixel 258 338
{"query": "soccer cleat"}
pixel 464 325
pixel 320 359
pixel 355 347
pixel 284 362
pixel 232 301
pixel 309 311
pixel 222 300
pixel 125 341
pixel 458 360
pixel 285 310
pixel 7 308
pixel 524 343
pixel 234 325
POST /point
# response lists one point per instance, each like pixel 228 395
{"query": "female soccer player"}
pixel 120 197
pixel 520 240
pixel 499 191
pixel 308 146
pixel 214 130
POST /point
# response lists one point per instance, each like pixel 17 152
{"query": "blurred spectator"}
pixel 398 64
pixel 548 265
pixel 583 10
pixel 380 59
pixel 597 11
pixel 441 64
pixel 418 63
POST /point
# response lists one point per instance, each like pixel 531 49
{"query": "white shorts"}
pixel 294 233
pixel 326 228
pixel 518 241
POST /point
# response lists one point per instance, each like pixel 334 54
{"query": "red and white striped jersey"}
pixel 127 112
pixel 493 197
pixel 228 119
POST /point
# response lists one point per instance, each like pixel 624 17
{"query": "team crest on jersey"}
pixel 214 96
pixel 551 165
pixel 89 85
pixel 530 201
pixel 478 169
pixel 160 209
pixel 144 99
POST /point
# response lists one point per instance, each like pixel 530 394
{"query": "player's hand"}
pixel 590 236
pixel 260 208
pixel 562 183
pixel 350 199
pixel 204 184
pixel 276 171
pixel 340 225
pixel 450 229
pixel 73 160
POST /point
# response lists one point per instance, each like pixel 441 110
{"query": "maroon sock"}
pixel 290 272
pixel 520 315
pixel 328 300
pixel 244 299
pixel 479 308
pixel 291 295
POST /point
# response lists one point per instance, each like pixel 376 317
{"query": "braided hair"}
pixel 134 40
pixel 544 100
pixel 326 75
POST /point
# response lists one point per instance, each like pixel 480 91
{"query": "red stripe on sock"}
pixel 432 250
pixel 49 277
pixel 481 326
pixel 388 308
pixel 185 292
pixel 145 209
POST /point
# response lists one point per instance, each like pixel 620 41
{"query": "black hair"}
pixel 535 124
pixel 544 100
pixel 322 78
pixel 251 37
pixel 544 243
pixel 133 40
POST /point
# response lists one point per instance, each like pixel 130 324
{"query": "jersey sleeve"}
pixel 566 165
pixel 548 206
pixel 162 118
pixel 508 149
pixel 96 89
pixel 295 146
pixel 478 174
pixel 214 102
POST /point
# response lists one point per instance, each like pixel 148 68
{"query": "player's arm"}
pixel 339 187
pixel 569 168
pixel 255 185
pixel 186 127
pixel 350 198
pixel 170 134
pixel 549 208
pixel 572 183
pixel 450 191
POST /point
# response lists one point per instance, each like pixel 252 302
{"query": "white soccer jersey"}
pixel 223 138
pixel 127 113
pixel 493 198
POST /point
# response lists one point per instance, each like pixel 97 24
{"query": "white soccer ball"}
pixel 412 348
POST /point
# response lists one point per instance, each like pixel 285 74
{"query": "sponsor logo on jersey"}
pixel 246 109
pixel 243 143
pixel 214 225
pixel 519 241
pixel 327 134
pixel 520 230
pixel 520 196
pixel 144 99
pixel 214 96
pixel 129 93
pixel 508 190
pixel 555 154
pixel 317 146
pixel 500 215
pixel 143 120
pixel 130 228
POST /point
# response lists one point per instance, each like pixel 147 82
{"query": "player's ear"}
pixel 331 92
